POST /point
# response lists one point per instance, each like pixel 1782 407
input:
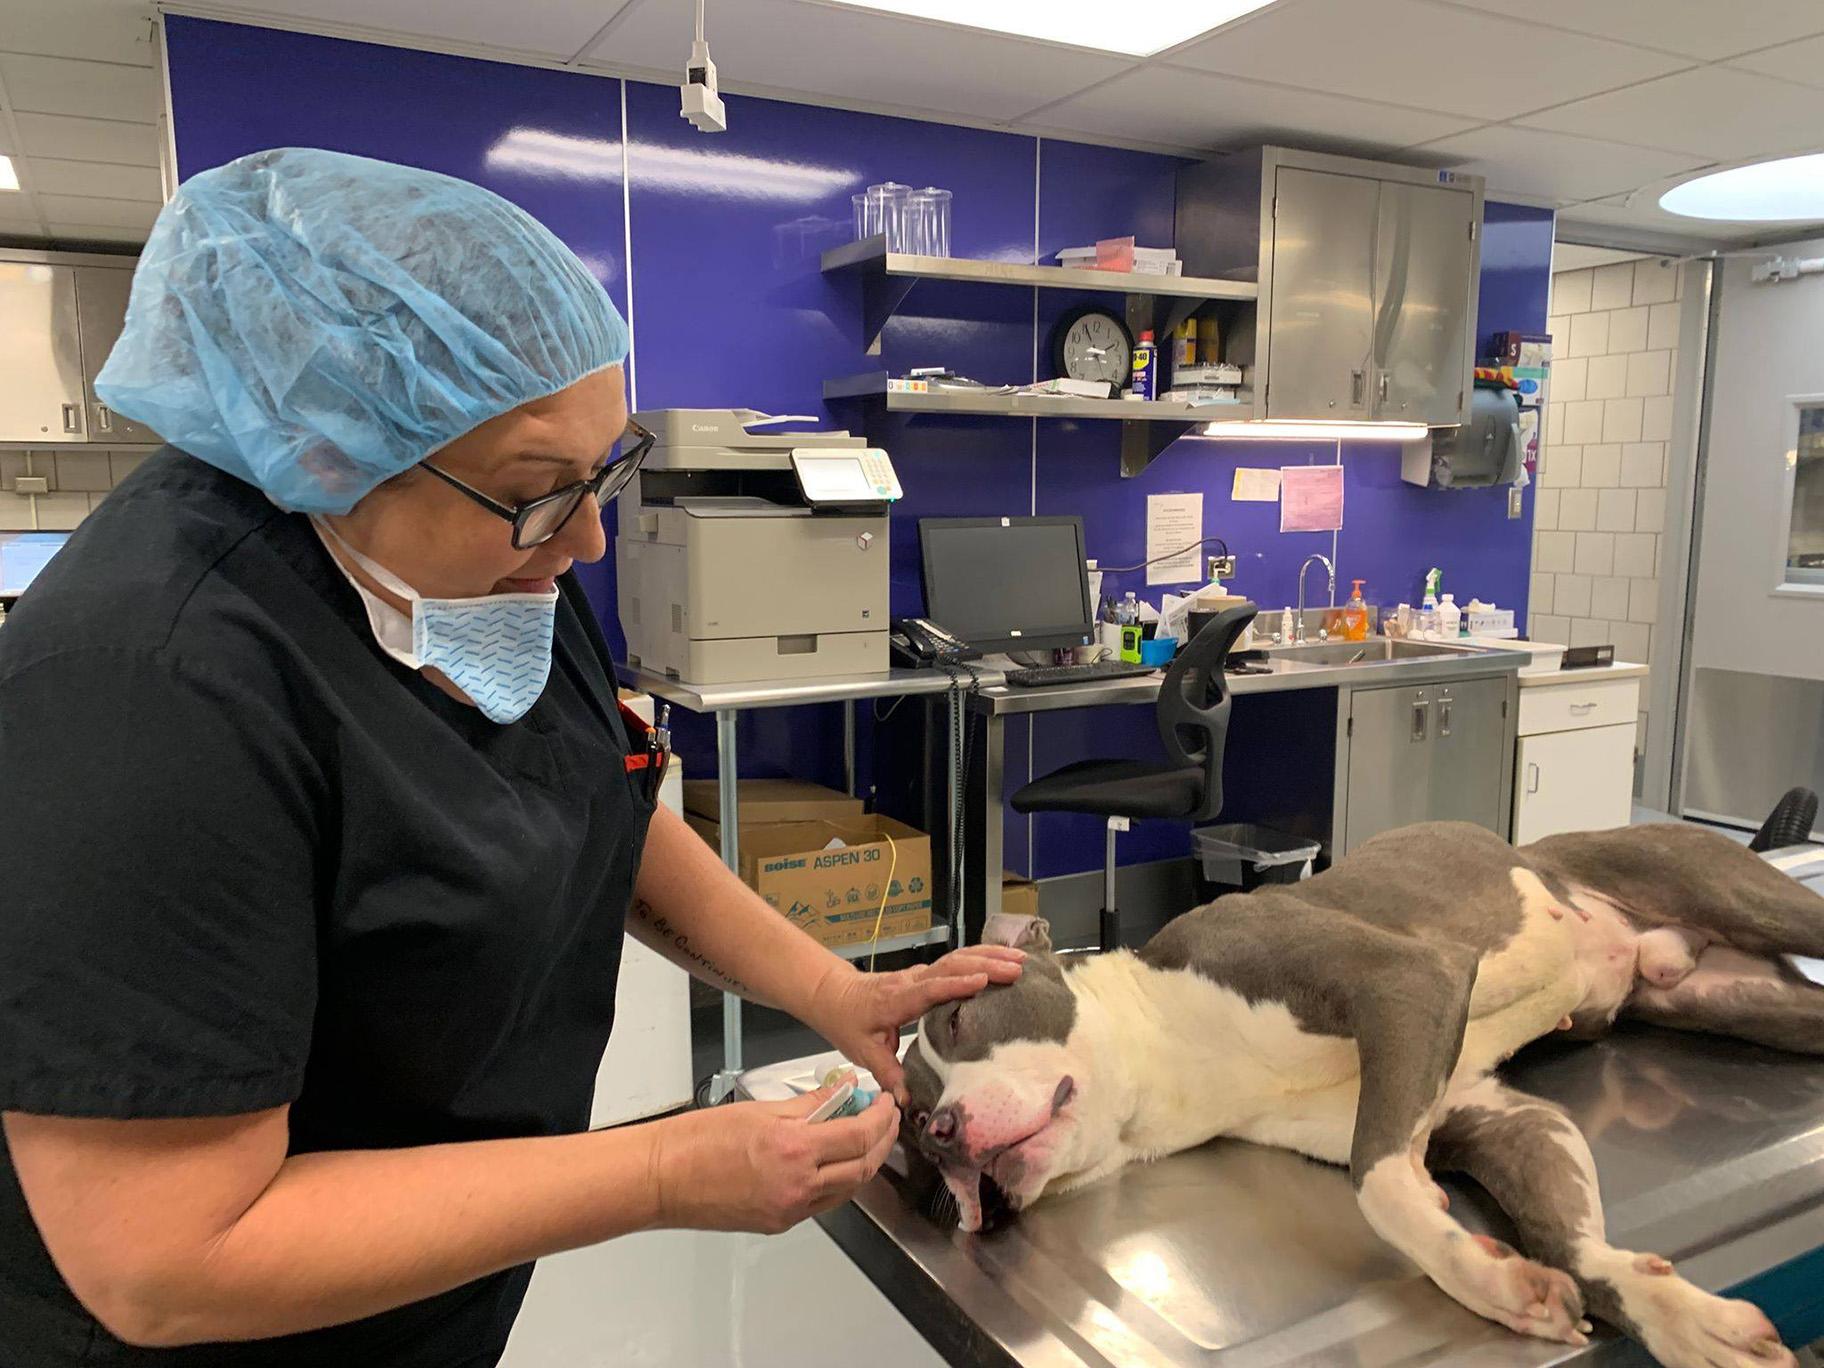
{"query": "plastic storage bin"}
pixel 1242 856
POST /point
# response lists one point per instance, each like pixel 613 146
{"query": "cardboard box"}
pixel 836 893
pixel 1019 897
pixel 772 800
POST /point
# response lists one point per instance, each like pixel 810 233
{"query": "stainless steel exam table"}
pixel 1710 1152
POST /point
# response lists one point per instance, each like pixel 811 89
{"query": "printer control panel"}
pixel 855 476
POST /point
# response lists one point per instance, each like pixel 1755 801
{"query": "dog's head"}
pixel 996 1087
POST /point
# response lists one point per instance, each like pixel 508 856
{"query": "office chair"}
pixel 1193 721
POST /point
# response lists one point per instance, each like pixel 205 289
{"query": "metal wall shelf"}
pixel 888 277
pixel 937 935
pixel 1147 426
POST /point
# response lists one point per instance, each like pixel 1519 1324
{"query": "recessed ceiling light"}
pixel 9 178
pixel 1135 28
pixel 1791 188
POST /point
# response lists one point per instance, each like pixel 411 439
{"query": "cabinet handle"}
pixel 104 418
pixel 72 421
pixel 1358 388
pixel 1421 717
pixel 1579 709
pixel 1444 715
pixel 1384 387
pixel 1532 778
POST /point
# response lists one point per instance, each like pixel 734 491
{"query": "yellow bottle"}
pixel 1355 616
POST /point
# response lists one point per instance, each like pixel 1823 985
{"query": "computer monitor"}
pixel 1007 584
pixel 23 555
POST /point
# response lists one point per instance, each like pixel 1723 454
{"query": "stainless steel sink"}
pixel 1374 651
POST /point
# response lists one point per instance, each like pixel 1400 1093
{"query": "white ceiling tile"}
pixel 852 55
pixel 1552 166
pixel 552 27
pixel 101 140
pixel 97 30
pixel 95 232
pixel 1651 218
pixel 1411 53
pixel 1720 113
pixel 102 212
pixel 1802 61
pixel 98 90
pixel 1696 28
pixel 1173 106
pixel 106 180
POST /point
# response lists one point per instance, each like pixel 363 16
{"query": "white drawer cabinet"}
pixel 1574 761
pixel 1579 780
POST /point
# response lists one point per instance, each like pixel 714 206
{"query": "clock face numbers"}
pixel 1095 347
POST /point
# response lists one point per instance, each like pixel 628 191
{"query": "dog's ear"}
pixel 1031 934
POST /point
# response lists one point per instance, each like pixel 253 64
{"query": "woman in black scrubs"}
pixel 320 834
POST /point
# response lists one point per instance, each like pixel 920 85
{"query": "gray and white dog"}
pixel 1358 1017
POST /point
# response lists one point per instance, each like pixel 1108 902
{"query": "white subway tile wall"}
pixel 1601 506
pixel 77 480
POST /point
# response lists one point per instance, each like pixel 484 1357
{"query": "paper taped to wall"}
pixel 1310 498
pixel 1254 485
pixel 1174 523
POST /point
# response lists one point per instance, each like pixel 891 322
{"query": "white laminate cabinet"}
pixel 1580 780
pixel 1574 760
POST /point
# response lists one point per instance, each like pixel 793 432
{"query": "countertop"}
pixel 1545 676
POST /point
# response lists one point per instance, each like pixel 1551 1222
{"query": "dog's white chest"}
pixel 1208 1062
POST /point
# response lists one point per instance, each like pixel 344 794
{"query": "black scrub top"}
pixel 249 860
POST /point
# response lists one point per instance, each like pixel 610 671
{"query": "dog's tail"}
pixel 1789 823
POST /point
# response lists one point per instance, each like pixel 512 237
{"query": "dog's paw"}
pixel 1495 1282
pixel 1684 1326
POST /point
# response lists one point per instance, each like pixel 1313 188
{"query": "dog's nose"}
pixel 944 1131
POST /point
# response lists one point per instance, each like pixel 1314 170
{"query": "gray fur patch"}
pixel 1677 874
pixel 1518 1155
pixel 1785 1015
pixel 1036 1006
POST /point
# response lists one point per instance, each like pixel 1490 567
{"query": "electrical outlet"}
pixel 1514 502
pixel 1221 567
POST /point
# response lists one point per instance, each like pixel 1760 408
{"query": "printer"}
pixel 748 551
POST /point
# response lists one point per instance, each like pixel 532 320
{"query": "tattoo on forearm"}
pixel 682 950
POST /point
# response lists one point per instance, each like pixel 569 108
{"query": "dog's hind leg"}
pixel 1537 1165
pixel 1749 997
pixel 1408 1010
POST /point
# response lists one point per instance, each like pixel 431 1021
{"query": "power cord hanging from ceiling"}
pixel 701 104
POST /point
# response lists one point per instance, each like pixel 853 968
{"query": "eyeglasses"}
pixel 537 521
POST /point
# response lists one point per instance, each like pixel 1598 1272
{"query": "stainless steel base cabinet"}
pixel 1426 754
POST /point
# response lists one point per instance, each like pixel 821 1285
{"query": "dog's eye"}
pixel 956 1022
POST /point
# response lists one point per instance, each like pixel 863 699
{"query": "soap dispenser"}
pixel 1355 615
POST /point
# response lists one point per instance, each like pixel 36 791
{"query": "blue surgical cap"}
pixel 315 323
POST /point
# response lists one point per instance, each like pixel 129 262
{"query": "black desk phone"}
pixel 919 641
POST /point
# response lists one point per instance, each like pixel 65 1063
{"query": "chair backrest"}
pixel 1194 703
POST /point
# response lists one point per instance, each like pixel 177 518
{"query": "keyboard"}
pixel 1032 677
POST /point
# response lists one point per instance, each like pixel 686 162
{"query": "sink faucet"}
pixel 1298 626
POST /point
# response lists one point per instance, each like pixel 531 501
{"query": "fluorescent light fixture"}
pixel 1791 188
pixel 1135 28
pixel 1283 430
pixel 9 178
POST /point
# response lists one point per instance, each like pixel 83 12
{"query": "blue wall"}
pixel 729 307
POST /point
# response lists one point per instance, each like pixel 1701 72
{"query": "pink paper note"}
pixel 1310 498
